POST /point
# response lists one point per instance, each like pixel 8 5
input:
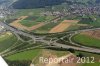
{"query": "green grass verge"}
pixel 7 41
pixel 86 40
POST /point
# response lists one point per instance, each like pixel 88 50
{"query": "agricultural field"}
pixel 86 40
pixel 34 55
pixel 46 28
pixel 63 26
pixel 24 12
pixel 28 12
pixel 92 33
pixel 7 40
pixel 73 27
pixel 26 55
pixel 17 24
pixel 31 23
pixel 34 20
pixel 50 27
pixel 39 24
pixel 91 20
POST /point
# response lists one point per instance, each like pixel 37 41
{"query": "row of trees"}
pixel 18 63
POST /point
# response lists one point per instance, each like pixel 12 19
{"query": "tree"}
pixel 71 50
pixel 80 55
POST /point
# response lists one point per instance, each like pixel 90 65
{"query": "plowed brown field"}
pixel 94 34
pixel 63 26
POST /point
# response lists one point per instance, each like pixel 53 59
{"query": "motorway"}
pixel 87 49
pixel 17 31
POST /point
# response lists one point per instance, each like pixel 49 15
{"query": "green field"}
pixel 33 20
pixel 36 53
pixel 6 41
pixel 28 12
pixel 32 54
pixel 86 40
pixel 28 23
pixel 86 54
pixel 46 28
pixel 91 64
pixel 26 55
pixel 25 12
pixel 73 27
pixel 92 20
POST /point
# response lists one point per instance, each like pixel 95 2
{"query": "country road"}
pixel 87 49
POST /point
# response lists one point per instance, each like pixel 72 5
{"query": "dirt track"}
pixel 18 25
pixel 63 26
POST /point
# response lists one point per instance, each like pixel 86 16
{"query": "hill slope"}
pixel 36 3
pixel 23 4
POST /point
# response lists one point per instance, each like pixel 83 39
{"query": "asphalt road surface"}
pixel 87 49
